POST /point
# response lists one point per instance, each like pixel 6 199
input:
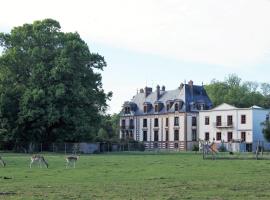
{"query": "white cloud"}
pixel 224 32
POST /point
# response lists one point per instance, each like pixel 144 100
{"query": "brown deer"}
pixel 38 159
pixel 71 159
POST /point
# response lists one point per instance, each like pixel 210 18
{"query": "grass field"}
pixel 135 176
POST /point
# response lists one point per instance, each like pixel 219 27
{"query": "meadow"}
pixel 135 176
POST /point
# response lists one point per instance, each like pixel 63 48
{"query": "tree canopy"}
pixel 50 87
pixel 240 94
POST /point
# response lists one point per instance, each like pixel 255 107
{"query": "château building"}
pixel 165 119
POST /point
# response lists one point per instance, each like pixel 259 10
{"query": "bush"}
pixel 195 147
pixel 222 148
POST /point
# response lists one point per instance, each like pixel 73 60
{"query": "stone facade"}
pixel 165 119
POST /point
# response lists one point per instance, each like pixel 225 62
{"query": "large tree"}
pixel 50 88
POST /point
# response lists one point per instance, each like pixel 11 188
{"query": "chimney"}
pixel 190 83
pixel 163 88
pixel 158 92
pixel 181 86
pixel 147 91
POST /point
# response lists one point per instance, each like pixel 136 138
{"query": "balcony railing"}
pixel 223 125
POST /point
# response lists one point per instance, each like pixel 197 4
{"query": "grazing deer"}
pixel 2 162
pixel 71 159
pixel 38 159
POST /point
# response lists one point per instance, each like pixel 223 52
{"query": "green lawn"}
pixel 135 176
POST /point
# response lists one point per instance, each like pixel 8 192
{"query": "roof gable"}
pixel 224 106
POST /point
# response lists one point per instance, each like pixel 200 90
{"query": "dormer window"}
pixel 145 109
pixel 156 108
pixel 176 107
pixel 168 107
pixel 127 110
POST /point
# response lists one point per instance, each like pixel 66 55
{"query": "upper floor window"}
pixel 243 119
pixel 229 120
pixel 176 107
pixel 194 121
pixel 156 122
pixel 144 123
pixel 176 121
pixel 123 123
pixel 206 120
pixel 131 123
pixel 167 122
pixel 218 121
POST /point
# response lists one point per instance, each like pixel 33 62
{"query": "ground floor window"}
pixel 243 136
pixel 176 145
pixel 194 135
pixel 167 136
pixel 156 136
pixel 218 137
pixel 229 137
pixel 144 136
pixel 176 135
pixel 206 136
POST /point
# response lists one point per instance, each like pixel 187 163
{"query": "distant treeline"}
pixel 239 93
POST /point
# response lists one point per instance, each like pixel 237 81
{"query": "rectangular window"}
pixel 144 136
pixel 131 124
pixel 243 119
pixel 243 136
pixel 194 121
pixel 229 136
pixel 206 136
pixel 145 109
pixel 144 123
pixel 156 136
pixel 156 108
pixel 218 136
pixel 194 135
pixel 218 120
pixel 176 121
pixel 167 122
pixel 206 120
pixel 156 122
pixel 176 135
pixel 229 120
pixel 167 136
pixel 123 123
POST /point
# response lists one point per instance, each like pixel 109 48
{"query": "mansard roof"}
pixel 187 94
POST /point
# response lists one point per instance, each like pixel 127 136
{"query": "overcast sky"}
pixel 160 41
